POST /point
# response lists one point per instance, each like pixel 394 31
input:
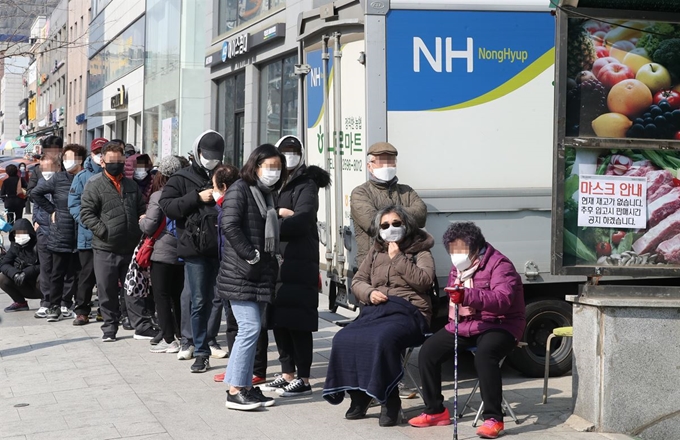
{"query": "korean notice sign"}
pixel 612 202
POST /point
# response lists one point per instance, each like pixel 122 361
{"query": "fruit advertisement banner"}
pixel 623 79
pixel 622 208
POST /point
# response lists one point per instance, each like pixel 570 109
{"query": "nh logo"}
pixel 435 61
pixel 315 77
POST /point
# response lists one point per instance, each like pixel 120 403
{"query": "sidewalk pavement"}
pixel 58 381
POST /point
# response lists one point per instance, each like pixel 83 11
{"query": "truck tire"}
pixel 542 317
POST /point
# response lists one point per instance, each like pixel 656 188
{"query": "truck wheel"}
pixel 542 317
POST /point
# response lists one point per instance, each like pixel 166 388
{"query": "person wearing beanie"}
pixel 167 272
pixel 86 279
pixel 187 198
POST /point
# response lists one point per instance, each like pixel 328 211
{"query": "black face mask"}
pixel 115 168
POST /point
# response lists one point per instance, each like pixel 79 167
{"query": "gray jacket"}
pixel 165 248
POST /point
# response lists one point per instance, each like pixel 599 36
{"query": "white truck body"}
pixel 464 90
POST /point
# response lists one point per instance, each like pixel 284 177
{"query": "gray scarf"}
pixel 265 203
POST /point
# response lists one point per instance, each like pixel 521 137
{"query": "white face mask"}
pixel 97 158
pixel 461 261
pixel 70 164
pixel 392 233
pixel 385 174
pixel 209 164
pixel 48 174
pixel 22 239
pixel 270 177
pixel 216 195
pixel 292 160
pixel 140 174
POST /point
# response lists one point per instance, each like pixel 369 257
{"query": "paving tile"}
pixel 100 432
pixel 18 428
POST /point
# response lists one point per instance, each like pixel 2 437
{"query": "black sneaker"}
pixel 296 388
pixel 125 322
pixel 201 364
pixel 243 401
pixel 108 337
pixel 156 339
pixel 275 385
pixel 54 314
pixel 264 401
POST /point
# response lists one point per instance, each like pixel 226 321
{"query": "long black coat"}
pixel 297 298
pixel 63 232
pixel 9 192
pixel 21 258
pixel 242 226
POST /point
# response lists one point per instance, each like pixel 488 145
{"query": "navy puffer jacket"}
pixel 63 232
pixel 242 226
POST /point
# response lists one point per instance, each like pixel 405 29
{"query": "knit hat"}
pixel 97 144
pixel 169 165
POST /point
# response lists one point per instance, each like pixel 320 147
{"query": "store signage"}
pixel 245 43
pixel 80 119
pixel 235 47
pixel 120 99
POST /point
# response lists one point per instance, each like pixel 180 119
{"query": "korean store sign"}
pixel 612 202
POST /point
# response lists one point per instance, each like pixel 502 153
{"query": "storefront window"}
pixel 162 78
pixel 278 100
pixel 234 13
pixel 230 116
pixel 118 58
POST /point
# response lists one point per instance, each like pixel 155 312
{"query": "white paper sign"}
pixel 166 137
pixel 612 202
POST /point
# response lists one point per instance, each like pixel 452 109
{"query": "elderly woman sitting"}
pixel 487 291
pixel 393 282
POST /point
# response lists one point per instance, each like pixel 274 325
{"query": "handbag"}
pixel 137 279
pixel 21 192
pixel 143 257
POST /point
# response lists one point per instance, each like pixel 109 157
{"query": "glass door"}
pixel 239 119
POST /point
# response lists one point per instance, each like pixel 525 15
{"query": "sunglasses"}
pixel 396 224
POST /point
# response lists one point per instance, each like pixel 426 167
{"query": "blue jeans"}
pixel 202 275
pixel 240 367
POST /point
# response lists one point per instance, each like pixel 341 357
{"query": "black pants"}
pixel 295 350
pixel 45 258
pixel 168 282
pixel 110 269
pixel 86 282
pixel 260 366
pixel 492 346
pixel 64 265
pixel 19 294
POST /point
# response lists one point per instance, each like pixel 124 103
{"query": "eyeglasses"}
pixel 396 224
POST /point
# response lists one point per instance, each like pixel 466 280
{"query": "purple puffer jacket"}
pixel 497 296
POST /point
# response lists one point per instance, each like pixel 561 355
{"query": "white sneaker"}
pixel 41 313
pixel 217 352
pixel 186 353
pixel 66 312
pixel 164 347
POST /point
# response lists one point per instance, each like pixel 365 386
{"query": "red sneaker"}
pixel 491 428
pixel 425 420
pixel 258 380
pixel 219 377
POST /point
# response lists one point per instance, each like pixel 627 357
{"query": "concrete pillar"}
pixel 626 360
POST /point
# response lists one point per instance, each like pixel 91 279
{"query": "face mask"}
pixel 70 164
pixel 48 174
pixel 392 233
pixel 270 177
pixel 216 195
pixel 22 239
pixel 385 174
pixel 97 158
pixel 292 160
pixel 115 168
pixel 141 174
pixel 23 170
pixel 209 164
pixel 461 261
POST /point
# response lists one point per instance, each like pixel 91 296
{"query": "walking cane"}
pixel 455 373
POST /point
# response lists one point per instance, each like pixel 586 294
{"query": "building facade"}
pixel 76 68
pixel 115 82
pixel 253 86
pixel 11 92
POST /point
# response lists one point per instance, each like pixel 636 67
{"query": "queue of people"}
pixel 246 243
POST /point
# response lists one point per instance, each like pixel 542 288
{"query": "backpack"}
pixel 200 229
